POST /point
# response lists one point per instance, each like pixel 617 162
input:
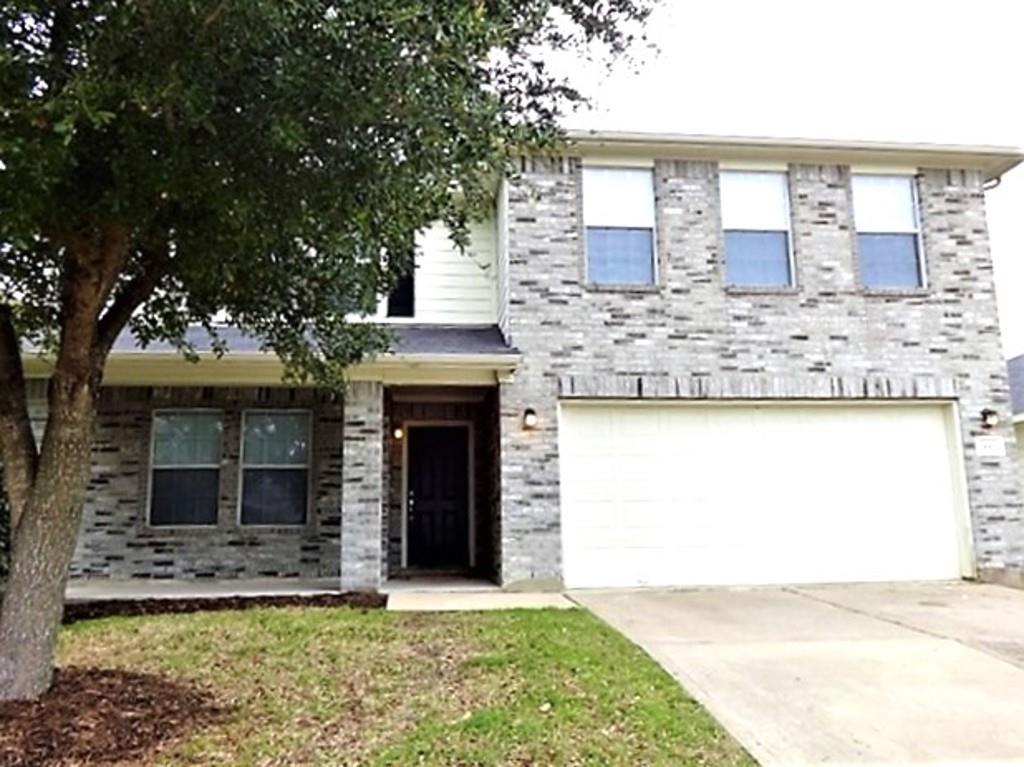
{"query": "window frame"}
pixel 623 287
pixel 794 284
pixel 308 466
pixel 152 467
pixel 915 201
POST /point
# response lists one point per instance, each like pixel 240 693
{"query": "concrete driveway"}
pixel 908 674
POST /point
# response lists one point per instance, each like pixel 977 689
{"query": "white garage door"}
pixel 684 495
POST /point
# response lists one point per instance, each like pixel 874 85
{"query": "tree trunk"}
pixel 44 542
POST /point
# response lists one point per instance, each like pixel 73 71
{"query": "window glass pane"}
pixel 401 301
pixel 889 260
pixel 884 204
pixel 274 497
pixel 618 197
pixel 186 439
pixel 620 256
pixel 757 259
pixel 184 497
pixel 754 200
pixel 276 439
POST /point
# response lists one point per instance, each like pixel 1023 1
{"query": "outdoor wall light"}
pixel 989 418
pixel 399 432
pixel 529 418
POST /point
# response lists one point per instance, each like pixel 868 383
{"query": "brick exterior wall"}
pixel 116 539
pixel 690 337
pixel 362 525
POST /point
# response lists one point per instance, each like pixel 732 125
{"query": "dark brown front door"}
pixel 438 501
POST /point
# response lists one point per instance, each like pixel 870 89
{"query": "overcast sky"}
pixel 900 70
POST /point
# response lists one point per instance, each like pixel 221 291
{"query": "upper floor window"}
pixel 275 467
pixel 185 479
pixel 888 231
pixel 618 215
pixel 402 299
pixel 755 220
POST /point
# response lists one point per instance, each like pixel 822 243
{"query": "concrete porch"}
pixel 429 594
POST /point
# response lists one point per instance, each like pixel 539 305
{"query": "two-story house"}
pixel 666 360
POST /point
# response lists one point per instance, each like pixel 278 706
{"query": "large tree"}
pixel 166 162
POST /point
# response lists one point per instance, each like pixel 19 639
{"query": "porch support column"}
pixel 362 488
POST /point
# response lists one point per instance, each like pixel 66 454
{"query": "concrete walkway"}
pixel 458 601
pixel 921 674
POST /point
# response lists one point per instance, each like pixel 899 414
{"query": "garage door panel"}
pixel 745 494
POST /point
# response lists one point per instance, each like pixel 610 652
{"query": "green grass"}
pixel 331 687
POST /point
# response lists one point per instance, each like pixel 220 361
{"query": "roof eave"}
pixel 993 161
pixel 142 368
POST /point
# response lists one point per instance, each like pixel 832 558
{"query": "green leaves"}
pixel 278 154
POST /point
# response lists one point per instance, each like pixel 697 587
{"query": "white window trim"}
pixel 655 267
pixel 915 201
pixel 790 248
pixel 308 466
pixel 153 415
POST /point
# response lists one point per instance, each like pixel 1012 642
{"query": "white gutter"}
pixel 992 160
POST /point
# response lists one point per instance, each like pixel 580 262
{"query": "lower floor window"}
pixel 185 479
pixel 275 467
pixel 184 497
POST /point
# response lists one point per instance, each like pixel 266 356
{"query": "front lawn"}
pixel 300 686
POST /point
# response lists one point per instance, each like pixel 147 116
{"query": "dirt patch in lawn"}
pixel 102 716
pixel 81 611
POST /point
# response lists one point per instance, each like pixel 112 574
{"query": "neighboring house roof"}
pixel 409 340
pixel 1016 366
pixel 993 161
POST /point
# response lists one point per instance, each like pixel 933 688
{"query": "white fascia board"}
pixel 993 161
pixel 256 369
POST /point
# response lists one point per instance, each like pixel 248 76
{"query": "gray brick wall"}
pixel 690 337
pixel 362 525
pixel 116 540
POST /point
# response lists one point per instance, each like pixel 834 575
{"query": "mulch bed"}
pixel 101 716
pixel 81 611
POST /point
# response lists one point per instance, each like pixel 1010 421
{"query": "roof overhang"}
pixel 264 369
pixel 993 161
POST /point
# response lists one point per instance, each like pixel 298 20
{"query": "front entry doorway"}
pixel 437 497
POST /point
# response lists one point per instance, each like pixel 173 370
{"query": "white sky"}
pixel 899 70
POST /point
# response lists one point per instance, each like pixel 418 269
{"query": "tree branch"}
pixel 128 299
pixel 17 442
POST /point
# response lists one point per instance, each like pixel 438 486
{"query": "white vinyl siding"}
pixel 454 287
pixel 747 494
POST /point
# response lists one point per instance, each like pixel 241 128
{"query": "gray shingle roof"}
pixel 409 339
pixel 1016 366
pixel 449 339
